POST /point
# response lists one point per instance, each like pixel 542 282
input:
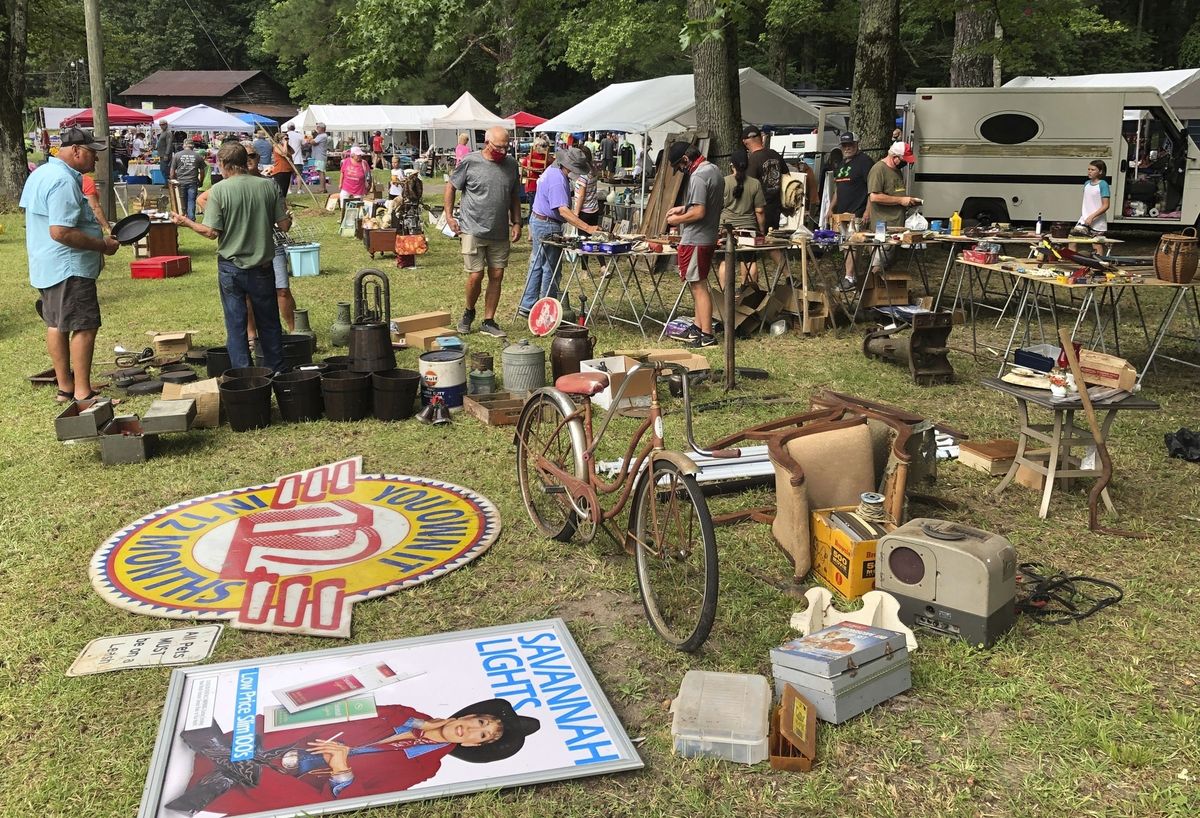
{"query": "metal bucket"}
pixel 524 367
pixel 371 348
pixel 443 373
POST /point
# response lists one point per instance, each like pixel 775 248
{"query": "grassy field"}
pixel 1098 718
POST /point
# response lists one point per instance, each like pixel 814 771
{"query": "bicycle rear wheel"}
pixel 541 437
pixel 676 554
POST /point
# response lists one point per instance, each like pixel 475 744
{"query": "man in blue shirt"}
pixel 65 245
pixel 551 208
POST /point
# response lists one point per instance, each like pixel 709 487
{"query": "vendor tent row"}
pixel 193 118
pixel 443 122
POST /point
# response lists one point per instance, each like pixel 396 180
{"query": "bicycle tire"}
pixel 680 598
pixel 553 514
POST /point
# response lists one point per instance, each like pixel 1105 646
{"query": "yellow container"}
pixel 955 224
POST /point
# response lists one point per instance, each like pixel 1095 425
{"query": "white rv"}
pixel 1009 154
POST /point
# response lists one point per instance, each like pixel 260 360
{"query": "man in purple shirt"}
pixel 551 208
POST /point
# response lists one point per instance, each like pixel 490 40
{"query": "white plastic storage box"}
pixel 722 715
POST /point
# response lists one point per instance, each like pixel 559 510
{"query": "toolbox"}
pixel 845 669
pixel 950 578
pixel 169 416
pixel 83 418
pixel 160 267
pixel 124 440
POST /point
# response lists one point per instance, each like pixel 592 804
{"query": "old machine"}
pixel 923 349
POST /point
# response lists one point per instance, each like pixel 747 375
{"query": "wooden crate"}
pixel 495 408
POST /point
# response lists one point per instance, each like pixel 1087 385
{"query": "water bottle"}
pixel 880 231
pixel 1037 228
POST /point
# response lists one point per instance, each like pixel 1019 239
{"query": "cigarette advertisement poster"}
pixel 368 725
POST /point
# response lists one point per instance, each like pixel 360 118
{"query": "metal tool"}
pixel 923 350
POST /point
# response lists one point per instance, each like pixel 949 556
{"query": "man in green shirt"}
pixel 887 194
pixel 241 212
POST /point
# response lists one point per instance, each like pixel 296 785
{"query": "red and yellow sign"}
pixel 294 555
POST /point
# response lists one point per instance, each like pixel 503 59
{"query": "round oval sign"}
pixel 296 554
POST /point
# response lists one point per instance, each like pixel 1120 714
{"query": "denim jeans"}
pixel 187 196
pixel 164 167
pixel 259 284
pixel 543 263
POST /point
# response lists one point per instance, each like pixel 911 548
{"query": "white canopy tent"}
pixel 1180 88
pixel 352 119
pixel 468 114
pixel 204 118
pixel 664 105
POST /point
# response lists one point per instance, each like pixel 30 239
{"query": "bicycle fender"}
pixel 684 463
pixel 566 406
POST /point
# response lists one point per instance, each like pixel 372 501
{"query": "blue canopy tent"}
pixel 256 119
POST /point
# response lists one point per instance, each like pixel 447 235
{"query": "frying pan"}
pixel 132 228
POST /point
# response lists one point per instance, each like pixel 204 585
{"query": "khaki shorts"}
pixel 480 254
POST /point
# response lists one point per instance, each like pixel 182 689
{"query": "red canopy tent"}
pixel 524 119
pixel 174 109
pixel 117 115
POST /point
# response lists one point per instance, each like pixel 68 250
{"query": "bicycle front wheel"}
pixel 676 554
pixel 544 439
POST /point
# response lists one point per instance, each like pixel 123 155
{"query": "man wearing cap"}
pixel 240 215
pixel 188 169
pixel 551 209
pixel 489 222
pixel 392 751
pixel 850 192
pixel 889 197
pixel 699 220
pixel 767 166
pixel 65 244
pixel 165 146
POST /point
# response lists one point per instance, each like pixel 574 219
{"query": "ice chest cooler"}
pixel 844 669
pixel 722 715
pixel 160 267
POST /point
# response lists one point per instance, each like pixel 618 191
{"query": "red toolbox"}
pixel 160 267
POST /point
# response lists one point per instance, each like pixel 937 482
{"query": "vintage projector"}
pixel 950 578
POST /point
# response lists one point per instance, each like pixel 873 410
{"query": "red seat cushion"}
pixel 582 383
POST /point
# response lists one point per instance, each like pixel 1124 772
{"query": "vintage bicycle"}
pixel 670 530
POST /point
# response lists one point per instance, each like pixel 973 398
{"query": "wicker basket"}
pixel 1177 255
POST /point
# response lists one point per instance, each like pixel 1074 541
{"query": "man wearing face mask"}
pixel 490 220
pixel 887 193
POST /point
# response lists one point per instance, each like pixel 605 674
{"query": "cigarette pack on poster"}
pixel 512 705
pixel 316 692
pixel 844 669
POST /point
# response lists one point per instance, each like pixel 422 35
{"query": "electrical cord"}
pixel 1058 599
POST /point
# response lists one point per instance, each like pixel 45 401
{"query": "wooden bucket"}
pixel 1177 255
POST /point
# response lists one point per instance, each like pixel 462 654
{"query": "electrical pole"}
pixel 95 50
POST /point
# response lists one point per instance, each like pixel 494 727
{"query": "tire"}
pixel 536 435
pixel 676 554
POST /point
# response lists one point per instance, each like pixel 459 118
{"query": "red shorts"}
pixel 695 261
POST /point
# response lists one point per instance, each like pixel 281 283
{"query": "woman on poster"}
pixel 390 752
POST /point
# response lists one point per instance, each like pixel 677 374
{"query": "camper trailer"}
pixel 1010 154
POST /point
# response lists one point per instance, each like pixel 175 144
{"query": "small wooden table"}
pixel 1061 436
pixel 162 240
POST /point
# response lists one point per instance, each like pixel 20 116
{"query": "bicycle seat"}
pixel 582 383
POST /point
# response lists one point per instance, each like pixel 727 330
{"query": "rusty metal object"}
pixel 922 349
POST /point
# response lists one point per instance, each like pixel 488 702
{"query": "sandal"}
pixel 64 396
pixel 95 393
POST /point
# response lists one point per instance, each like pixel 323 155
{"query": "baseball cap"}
pixel 79 136
pixel 750 131
pixel 903 150
pixel 848 138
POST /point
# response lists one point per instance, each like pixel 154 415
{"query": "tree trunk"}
pixel 14 164
pixel 974 28
pixel 778 54
pixel 873 97
pixel 718 91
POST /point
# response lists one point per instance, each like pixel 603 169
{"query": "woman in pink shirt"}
pixel 355 173
pixel 463 148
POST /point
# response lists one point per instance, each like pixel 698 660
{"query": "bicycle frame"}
pixel 593 486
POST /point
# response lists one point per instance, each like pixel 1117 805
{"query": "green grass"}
pixel 1093 719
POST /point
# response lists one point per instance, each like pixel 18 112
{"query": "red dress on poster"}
pixel 388 769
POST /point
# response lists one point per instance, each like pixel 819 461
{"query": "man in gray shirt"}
pixel 320 145
pixel 164 146
pixel 188 169
pixel 489 221
pixel 699 220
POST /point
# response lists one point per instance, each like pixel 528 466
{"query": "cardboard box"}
pixel 636 394
pixel 207 395
pixel 1107 370
pixel 423 320
pixel 843 564
pixel 426 339
pixel 749 299
pixel 892 290
pixel 693 362
pixel 168 344
pixel 992 457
